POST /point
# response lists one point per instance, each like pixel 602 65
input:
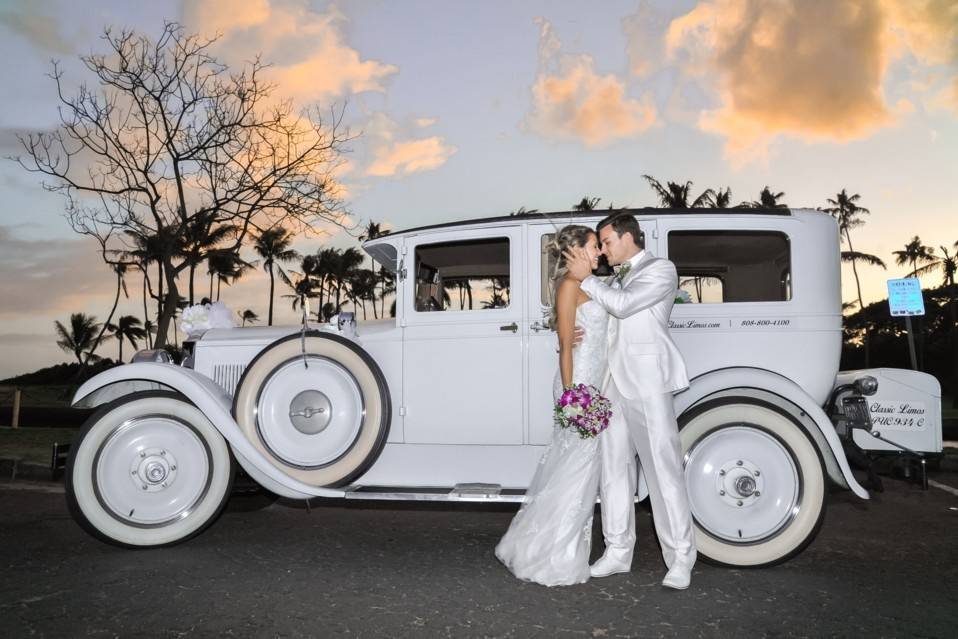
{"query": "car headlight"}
pixel 866 385
pixel 156 355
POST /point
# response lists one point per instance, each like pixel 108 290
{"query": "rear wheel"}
pixel 755 482
pixel 148 469
pixel 318 409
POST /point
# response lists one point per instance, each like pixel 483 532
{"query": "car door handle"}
pixel 510 327
pixel 539 327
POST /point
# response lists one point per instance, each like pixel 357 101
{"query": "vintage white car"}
pixel 452 398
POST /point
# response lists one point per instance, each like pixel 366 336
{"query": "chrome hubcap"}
pixel 153 469
pixel 739 483
pixel 310 412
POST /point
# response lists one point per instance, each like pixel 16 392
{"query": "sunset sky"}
pixel 473 109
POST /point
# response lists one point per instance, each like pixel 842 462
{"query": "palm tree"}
pixel 845 210
pixel 676 196
pixel 273 245
pixel 372 231
pixel 766 200
pixel 524 211
pixel 914 253
pixel 302 286
pixel 227 266
pixel 720 199
pixel 149 248
pixel 496 300
pixel 119 268
pixel 248 316
pixel 342 268
pixel 319 268
pixel 362 287
pixel 79 338
pixel 199 237
pixel 387 285
pixel 129 328
pixel 587 204
pixel 948 265
pixel 149 328
pixel 698 282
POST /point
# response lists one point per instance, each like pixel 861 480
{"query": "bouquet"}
pixel 583 408
pixel 199 318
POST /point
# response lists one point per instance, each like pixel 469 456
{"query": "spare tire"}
pixel 321 413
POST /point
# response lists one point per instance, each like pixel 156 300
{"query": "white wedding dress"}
pixel 550 538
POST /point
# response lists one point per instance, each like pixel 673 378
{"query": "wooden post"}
pixel 15 423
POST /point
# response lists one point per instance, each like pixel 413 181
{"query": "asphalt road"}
pixel 888 567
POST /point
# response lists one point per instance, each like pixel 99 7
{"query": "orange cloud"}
pixel 571 101
pixel 308 57
pixel 929 30
pixel 808 68
pixel 393 153
pixel 410 157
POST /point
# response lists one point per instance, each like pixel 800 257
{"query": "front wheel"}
pixel 148 469
pixel 755 482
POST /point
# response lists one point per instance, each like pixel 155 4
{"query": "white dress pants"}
pixel 647 426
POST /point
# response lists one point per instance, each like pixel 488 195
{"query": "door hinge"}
pixel 402 270
pixel 402 411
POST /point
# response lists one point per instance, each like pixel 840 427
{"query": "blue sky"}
pixel 469 109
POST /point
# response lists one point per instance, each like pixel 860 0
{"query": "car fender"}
pixel 210 398
pixel 785 394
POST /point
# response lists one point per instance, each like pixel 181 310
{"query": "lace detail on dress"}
pixel 550 538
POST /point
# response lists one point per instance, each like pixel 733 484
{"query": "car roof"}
pixel 574 215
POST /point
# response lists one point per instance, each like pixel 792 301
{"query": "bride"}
pixel 549 539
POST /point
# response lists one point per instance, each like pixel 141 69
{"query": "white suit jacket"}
pixel 643 359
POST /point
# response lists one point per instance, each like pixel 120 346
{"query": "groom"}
pixel 645 368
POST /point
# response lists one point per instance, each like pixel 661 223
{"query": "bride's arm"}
pixel 566 298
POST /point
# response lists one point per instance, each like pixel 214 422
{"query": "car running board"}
pixel 459 492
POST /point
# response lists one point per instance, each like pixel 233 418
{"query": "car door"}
pixel 462 337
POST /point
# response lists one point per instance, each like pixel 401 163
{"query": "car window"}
pixel 732 266
pixel 462 276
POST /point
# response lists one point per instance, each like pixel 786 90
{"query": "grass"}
pixel 32 444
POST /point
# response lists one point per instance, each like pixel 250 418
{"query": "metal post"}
pixel 911 343
pixel 16 409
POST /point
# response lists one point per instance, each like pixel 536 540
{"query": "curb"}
pixel 12 469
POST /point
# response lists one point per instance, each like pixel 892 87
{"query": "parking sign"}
pixel 904 297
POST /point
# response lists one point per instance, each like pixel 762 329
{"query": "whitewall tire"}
pixel 148 469
pixel 317 407
pixel 755 481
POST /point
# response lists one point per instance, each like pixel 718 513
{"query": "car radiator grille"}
pixel 228 376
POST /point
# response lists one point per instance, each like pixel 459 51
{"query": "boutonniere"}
pixel 622 272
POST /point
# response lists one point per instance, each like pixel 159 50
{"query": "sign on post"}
pixel 905 300
pixel 904 297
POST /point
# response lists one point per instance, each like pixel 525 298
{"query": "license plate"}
pixel 856 412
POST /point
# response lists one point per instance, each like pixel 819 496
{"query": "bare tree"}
pixel 171 140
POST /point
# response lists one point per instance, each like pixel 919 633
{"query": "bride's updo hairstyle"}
pixel 567 237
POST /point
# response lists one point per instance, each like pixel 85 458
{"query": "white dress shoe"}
pixel 609 564
pixel 679 577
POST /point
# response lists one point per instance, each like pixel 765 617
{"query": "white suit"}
pixel 645 368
